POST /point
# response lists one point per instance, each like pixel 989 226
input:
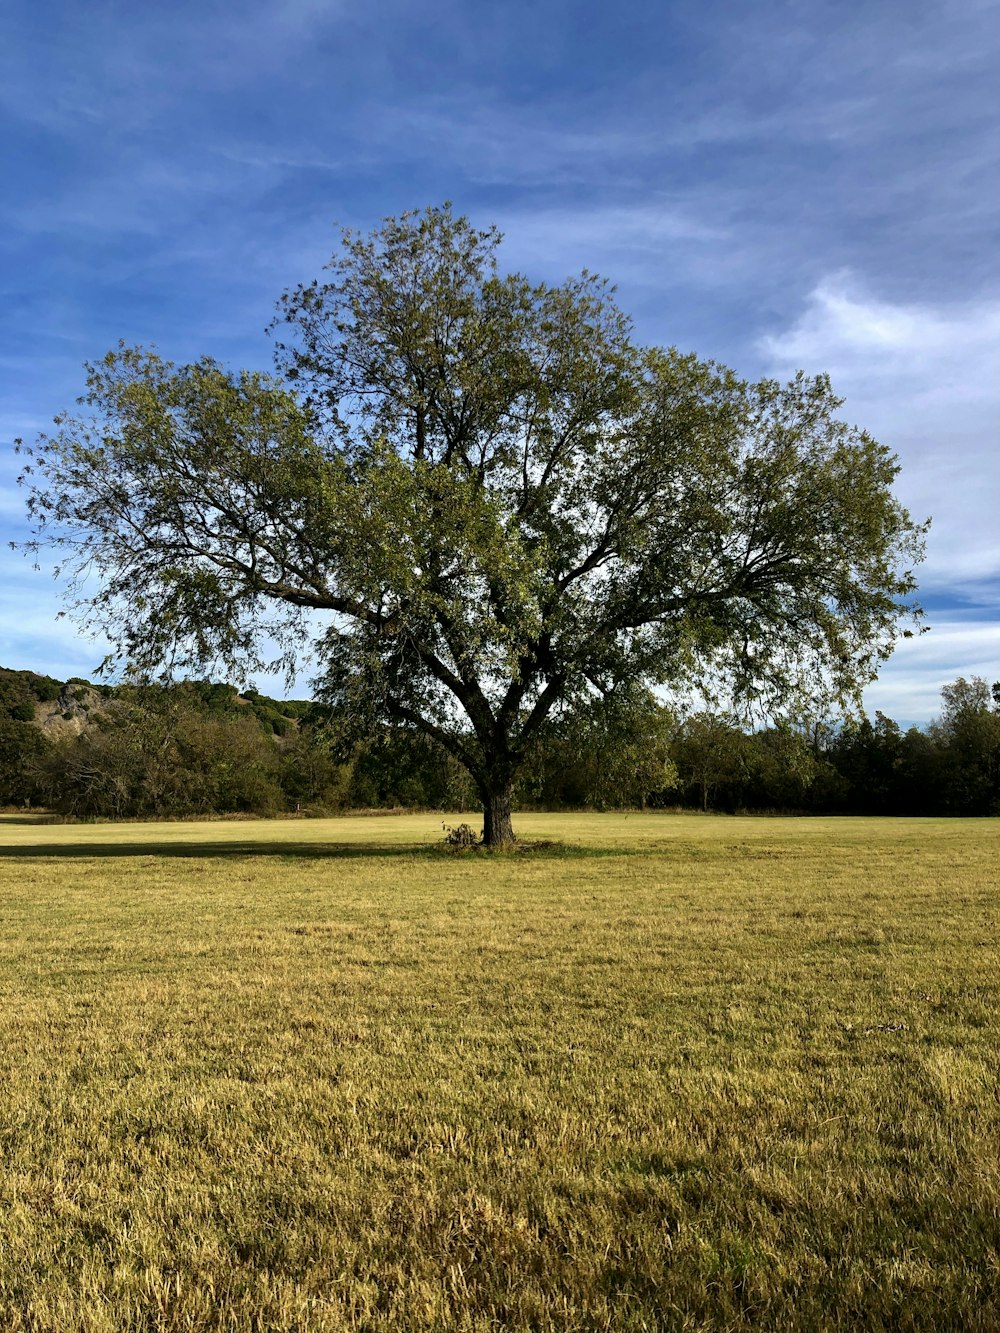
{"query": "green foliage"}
pixel 21 743
pixel 44 688
pixel 213 697
pixel 20 690
pixel 609 753
pixel 710 752
pixel 22 747
pixel 152 752
pixel 869 754
pixel 969 731
pixel 504 505
pixel 310 777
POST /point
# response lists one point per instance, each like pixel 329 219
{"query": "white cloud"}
pixel 886 341
pixel 909 687
pixel 923 380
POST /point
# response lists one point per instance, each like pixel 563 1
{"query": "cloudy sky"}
pixel 784 184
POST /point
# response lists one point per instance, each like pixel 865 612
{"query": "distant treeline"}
pixel 200 748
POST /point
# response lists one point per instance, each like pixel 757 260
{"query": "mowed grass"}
pixel 671 1073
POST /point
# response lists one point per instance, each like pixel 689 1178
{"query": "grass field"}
pixel 669 1073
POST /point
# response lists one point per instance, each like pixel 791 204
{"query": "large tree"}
pixel 501 503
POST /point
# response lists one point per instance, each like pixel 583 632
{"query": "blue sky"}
pixel 784 184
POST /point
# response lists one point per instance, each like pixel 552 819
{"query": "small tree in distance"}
pixel 502 504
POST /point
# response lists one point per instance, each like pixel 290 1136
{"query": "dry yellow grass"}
pixel 675 1073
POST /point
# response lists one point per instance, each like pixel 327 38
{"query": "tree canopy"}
pixel 503 505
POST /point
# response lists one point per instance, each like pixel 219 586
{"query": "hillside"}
pixel 72 705
pixel 192 747
pixel 197 748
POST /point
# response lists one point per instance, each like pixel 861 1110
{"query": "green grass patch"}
pixel 667 1072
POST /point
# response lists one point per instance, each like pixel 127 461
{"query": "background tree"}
pixel 968 736
pixel 712 753
pixel 502 503
pixel 610 753
pixel 152 751
pixel 869 755
pixel 22 745
pixel 780 767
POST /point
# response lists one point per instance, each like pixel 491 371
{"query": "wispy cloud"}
pixel 629 242
pixel 909 688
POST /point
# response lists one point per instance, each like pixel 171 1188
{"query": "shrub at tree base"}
pixel 461 835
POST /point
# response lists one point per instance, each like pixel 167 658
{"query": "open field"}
pixel 676 1073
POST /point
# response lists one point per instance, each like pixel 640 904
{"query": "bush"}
pixel 45 689
pixel 464 835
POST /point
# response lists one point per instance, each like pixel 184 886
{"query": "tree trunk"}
pixel 498 831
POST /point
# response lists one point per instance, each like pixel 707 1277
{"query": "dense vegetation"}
pixel 201 748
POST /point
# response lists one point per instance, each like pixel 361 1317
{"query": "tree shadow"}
pixel 195 849
pixel 26 817
pixel 307 851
